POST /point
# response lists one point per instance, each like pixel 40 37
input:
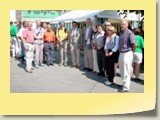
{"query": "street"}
pixel 60 79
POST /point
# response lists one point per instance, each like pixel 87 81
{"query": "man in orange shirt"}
pixel 49 39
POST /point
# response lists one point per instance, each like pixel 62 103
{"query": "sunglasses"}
pixel 107 25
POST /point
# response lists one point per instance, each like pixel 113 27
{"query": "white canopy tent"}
pixel 77 15
pixel 82 15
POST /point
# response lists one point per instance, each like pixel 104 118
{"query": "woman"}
pixel 137 59
pixel 111 54
pixel 95 64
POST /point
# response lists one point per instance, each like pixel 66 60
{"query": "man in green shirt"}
pixel 138 53
pixel 14 40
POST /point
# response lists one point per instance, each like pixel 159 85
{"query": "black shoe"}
pixel 89 70
pixel 48 64
pixel 52 64
pixel 99 74
pixel 103 75
pixel 85 68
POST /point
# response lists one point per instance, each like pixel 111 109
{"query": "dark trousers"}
pixel 49 52
pixel 22 52
pixel 101 58
pixel 109 66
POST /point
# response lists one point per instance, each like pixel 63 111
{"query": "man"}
pixel 38 35
pixel 20 36
pixel 45 29
pixel 14 40
pixel 107 25
pixel 75 42
pixel 62 37
pixel 99 44
pixel 87 38
pixel 28 39
pixel 45 26
pixel 127 45
pixel 49 39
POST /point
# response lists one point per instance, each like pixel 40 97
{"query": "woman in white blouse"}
pixel 94 50
pixel 111 54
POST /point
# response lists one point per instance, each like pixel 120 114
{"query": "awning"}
pixel 82 15
pixel 77 15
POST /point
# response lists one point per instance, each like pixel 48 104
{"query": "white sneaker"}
pixel 37 66
pixel 108 83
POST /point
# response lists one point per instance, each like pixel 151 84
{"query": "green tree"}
pixel 124 12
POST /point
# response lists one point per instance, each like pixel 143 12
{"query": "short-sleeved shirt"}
pixel 126 39
pixel 49 36
pixel 39 32
pixel 13 31
pixel 28 35
pixel 140 44
pixel 20 33
pixel 61 34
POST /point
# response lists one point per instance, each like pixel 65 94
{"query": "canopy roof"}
pixel 82 15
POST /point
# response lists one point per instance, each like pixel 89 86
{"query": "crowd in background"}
pixel 104 50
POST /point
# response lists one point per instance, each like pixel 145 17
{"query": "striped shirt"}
pixel 126 39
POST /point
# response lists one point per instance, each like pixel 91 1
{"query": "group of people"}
pixel 104 50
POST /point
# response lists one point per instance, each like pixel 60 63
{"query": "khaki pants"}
pixel 63 52
pixel 75 53
pixel 88 58
pixel 29 55
pixel 95 61
pixel 125 66
pixel 15 44
pixel 38 53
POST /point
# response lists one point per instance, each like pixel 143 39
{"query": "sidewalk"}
pixel 60 79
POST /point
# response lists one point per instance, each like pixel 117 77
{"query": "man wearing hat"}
pixel 62 37
pixel 75 42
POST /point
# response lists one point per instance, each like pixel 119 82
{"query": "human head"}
pixel 24 23
pixel 136 31
pixel 15 22
pixel 99 28
pixel 88 22
pixel 38 23
pixel 61 24
pixel 111 30
pixel 49 27
pixel 29 25
pixel 94 29
pixel 74 24
pixel 124 24
pixel 11 22
pixel 107 24
pixel 44 25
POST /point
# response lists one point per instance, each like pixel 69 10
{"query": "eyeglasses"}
pixel 107 25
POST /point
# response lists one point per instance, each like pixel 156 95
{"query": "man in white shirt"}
pixel 75 42
pixel 38 36
pixel 20 36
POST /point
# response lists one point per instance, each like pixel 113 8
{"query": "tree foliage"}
pixel 124 12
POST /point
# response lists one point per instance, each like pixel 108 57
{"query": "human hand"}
pixel 110 53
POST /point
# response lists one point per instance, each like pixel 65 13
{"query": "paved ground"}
pixel 56 79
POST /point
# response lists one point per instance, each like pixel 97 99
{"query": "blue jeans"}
pixel 22 52
pixel 49 52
